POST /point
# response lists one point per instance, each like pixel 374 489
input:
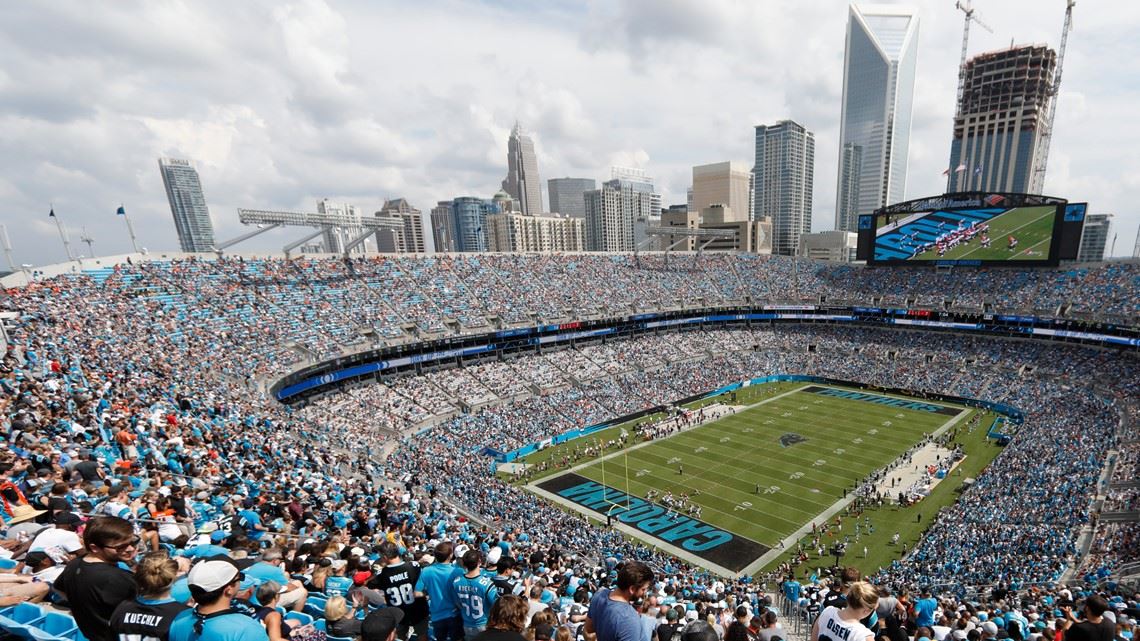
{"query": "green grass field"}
pixel 727 459
pixel 725 462
pixel 1032 226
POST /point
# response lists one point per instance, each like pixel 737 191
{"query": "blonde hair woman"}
pixel 340 617
pixel 836 624
pixel 154 576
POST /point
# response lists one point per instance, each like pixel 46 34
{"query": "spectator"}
pixel 612 616
pixel 475 594
pixel 340 619
pixel 213 584
pixel 834 623
pixel 381 625
pixel 1094 626
pixel 435 583
pixel 150 614
pixel 506 620
pixel 95 584
pixel 275 625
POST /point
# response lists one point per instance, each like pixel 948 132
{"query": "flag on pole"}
pixel 51 213
pixel 978 170
pixel 960 168
pixel 946 172
pixel 120 211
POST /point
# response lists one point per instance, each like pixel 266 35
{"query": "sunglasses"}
pixel 134 543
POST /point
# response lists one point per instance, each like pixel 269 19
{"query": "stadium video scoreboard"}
pixel 973 229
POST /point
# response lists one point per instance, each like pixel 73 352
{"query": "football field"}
pixel 758 475
pixel 1032 226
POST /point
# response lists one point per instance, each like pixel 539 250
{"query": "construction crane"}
pixel 1042 158
pixel 968 9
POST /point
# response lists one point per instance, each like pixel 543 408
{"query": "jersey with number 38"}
pixel 398 584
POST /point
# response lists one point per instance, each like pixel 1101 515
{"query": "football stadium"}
pixel 741 424
pixel 685 402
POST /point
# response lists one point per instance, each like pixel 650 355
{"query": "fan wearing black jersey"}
pixel 397 582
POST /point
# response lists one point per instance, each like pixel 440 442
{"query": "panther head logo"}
pixel 791 439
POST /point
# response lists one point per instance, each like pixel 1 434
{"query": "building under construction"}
pixel 1001 120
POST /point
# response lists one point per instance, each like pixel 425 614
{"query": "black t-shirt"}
pixel 93 591
pixel 89 470
pixel 665 631
pixel 504 584
pixel 1088 631
pixel 146 621
pixel 398 584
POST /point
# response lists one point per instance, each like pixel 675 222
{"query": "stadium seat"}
pixel 21 619
pixel 332 638
pixel 304 619
pixel 54 626
pixel 315 606
pixel 8 564
pixel 320 625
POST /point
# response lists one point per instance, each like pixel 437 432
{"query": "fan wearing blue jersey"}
pixel 475 592
pixel 435 583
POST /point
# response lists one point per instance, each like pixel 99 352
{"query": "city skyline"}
pixel 288 105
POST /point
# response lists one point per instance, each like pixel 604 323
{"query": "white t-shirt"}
pixel 55 537
pixel 833 628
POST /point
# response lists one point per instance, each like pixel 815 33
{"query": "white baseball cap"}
pixel 212 575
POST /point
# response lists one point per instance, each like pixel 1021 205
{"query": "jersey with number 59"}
pixel 398 584
pixel 475 597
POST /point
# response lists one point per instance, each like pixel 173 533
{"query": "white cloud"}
pixel 282 104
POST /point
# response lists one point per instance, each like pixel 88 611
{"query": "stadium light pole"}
pixel 7 244
pixel 62 234
pixel 122 211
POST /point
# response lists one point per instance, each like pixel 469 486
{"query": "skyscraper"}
pixel 1094 238
pixel 722 183
pixel 997 130
pixel 610 216
pixel 413 235
pixel 782 180
pixel 470 216
pixel 187 204
pixel 522 181
pixel 618 214
pixel 443 227
pixel 878 92
pixel 568 195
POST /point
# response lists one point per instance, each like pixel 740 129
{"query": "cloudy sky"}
pixel 282 103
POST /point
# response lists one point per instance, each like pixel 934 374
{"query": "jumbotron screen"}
pixel 966 236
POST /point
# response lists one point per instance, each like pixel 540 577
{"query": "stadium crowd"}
pixel 130 395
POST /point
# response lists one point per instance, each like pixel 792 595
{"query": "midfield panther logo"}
pixel 791 439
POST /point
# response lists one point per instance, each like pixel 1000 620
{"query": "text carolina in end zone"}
pixel 669 528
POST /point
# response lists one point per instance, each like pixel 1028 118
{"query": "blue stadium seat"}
pixel 305 619
pixel 54 625
pixel 21 619
pixel 8 564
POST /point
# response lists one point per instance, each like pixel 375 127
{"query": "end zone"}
pixel 687 538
